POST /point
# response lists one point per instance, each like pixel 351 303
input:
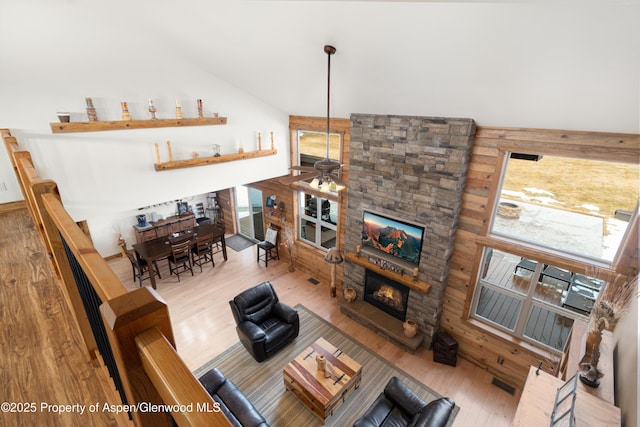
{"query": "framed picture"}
pixel 271 201
pixel 183 208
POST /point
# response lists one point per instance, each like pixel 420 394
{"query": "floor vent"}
pixel 312 280
pixel 504 386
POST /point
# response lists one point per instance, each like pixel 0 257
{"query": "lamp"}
pixel 315 183
pixel 333 257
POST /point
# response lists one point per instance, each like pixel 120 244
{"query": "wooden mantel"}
pixel 405 279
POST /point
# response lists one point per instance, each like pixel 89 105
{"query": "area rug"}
pixel 263 383
pixel 238 242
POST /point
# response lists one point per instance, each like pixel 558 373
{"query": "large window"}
pixel 581 207
pixel 532 300
pixel 318 220
pixel 572 210
pixel 312 146
pixel 318 215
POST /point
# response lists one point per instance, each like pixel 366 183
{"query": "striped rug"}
pixel 263 384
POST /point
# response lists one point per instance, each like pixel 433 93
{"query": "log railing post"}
pixel 126 317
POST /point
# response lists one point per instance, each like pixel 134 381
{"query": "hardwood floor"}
pixel 44 360
pixel 43 356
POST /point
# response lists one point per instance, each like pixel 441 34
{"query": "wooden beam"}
pixel 405 279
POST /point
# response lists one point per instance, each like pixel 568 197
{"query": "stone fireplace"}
pixel 386 294
pixel 414 169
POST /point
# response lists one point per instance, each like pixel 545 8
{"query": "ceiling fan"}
pixel 323 170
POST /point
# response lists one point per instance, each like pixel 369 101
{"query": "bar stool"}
pixel 269 246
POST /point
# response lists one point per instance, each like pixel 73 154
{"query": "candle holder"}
pixel 125 111
pixel 216 150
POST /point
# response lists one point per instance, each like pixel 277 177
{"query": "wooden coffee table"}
pixel 321 394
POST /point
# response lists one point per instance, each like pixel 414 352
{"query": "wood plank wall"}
pixel 306 256
pixel 475 343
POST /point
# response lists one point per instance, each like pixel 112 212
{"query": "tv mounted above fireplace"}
pixel 393 237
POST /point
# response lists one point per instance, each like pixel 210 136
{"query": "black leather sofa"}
pixel 233 403
pixel 398 405
pixel 263 323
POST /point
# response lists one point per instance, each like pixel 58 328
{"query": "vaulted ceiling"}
pixel 551 64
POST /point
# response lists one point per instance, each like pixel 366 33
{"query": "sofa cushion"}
pixel 436 413
pixel 399 406
pixel 276 333
pixel 233 403
pixel 401 395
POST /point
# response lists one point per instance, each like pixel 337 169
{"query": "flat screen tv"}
pixel 391 236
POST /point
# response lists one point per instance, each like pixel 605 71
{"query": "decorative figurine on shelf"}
pixel 178 110
pixel 216 150
pixel 259 141
pixel 200 114
pixel 157 154
pixel 91 111
pixel 125 111
pixel 152 109
pixel 272 146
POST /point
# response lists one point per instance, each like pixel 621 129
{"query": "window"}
pixel 573 211
pixel 312 146
pixel 318 220
pixel 581 207
pixel 532 300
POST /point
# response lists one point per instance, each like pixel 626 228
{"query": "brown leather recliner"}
pixel 263 323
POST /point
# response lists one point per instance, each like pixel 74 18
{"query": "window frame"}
pixel 574 262
pixel 317 220
pixel 338 126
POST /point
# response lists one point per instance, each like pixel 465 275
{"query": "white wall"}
pixel 627 363
pixel 65 52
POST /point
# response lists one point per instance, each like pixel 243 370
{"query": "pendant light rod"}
pixel 329 50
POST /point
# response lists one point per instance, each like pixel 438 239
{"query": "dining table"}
pixel 160 248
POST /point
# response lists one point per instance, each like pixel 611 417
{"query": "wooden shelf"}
pixel 405 279
pixel 202 161
pixel 134 124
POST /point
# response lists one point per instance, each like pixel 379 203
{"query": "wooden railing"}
pixel 130 332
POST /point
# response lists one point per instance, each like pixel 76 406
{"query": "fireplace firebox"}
pixel 386 294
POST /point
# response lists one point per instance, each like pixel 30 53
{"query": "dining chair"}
pixel 180 258
pixel 140 267
pixel 269 246
pixel 202 252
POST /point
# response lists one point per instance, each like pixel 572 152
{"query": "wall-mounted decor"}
pixel 182 208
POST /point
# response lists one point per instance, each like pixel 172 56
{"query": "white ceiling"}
pixel 571 65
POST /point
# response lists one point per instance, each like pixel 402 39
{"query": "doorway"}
pixel 249 212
